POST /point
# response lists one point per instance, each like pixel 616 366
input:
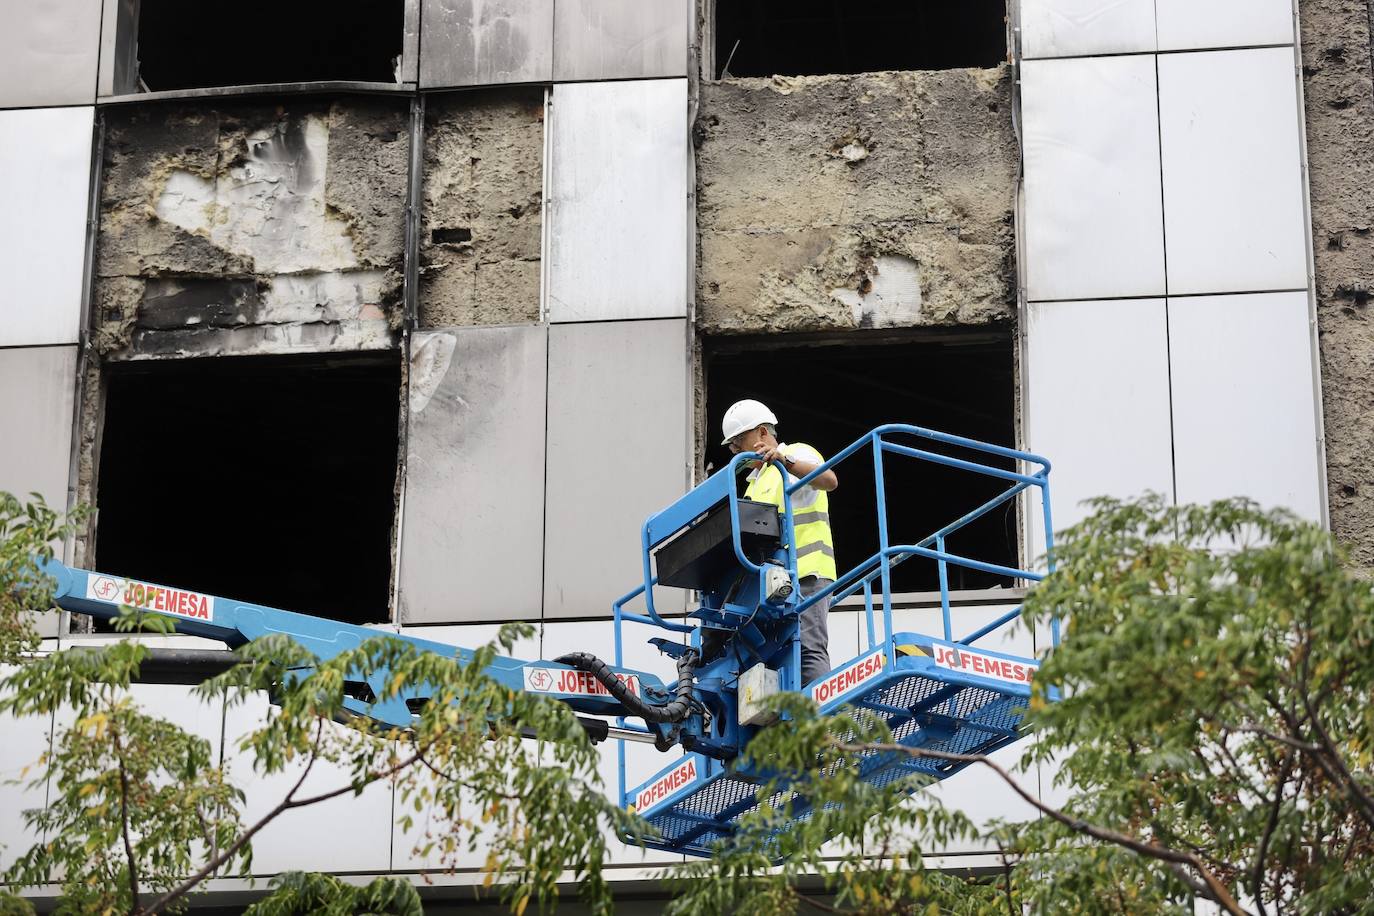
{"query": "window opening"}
pixel 811 37
pixel 270 480
pixel 830 394
pixel 187 45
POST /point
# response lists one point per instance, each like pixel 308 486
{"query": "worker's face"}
pixel 753 440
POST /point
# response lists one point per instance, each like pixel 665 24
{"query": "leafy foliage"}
pixel 297 892
pixel 1217 671
pixel 28 532
pixel 1211 722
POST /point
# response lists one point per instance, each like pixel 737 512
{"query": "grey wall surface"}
pixel 48 53
pixel 485 42
pixel 37 387
pixel 45 164
pixel 620 39
pixel 617 452
pixel 617 208
pixel 490 42
pixel 472 542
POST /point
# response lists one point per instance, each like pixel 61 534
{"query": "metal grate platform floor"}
pixel 960 708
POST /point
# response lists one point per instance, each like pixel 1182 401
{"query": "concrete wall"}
pixel 846 202
pixel 1339 94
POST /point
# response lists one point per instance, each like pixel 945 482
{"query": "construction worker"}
pixel 749 426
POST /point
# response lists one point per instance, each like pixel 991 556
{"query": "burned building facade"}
pixel 411 324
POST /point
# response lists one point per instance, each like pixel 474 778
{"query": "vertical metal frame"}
pixel 1313 339
pixel 118 74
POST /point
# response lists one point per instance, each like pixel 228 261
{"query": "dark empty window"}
pixel 268 480
pixel 830 395
pixel 190 45
pixel 809 37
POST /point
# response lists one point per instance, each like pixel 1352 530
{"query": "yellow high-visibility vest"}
pixel 810 512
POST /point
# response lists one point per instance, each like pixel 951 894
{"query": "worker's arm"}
pixel 800 467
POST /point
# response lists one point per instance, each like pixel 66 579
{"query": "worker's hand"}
pixel 770 454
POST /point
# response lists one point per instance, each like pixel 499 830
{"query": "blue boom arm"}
pixel 235 623
pixel 738 559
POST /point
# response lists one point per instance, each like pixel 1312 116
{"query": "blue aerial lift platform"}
pixel 740 642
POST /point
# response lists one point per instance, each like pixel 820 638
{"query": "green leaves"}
pixel 27 531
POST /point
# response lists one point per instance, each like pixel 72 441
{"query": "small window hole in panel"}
pixel 266 479
pixel 812 37
pixel 186 45
pixel 828 393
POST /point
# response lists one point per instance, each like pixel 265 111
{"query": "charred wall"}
pixel 483 193
pixel 250 228
pixel 853 201
pixel 1339 95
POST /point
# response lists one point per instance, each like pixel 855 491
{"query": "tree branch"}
pixel 1215 890
pixel 1257 873
pixel 1362 800
pixel 124 820
pixel 228 853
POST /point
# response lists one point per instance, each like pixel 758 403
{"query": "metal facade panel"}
pixel 48 53
pixel 26 740
pixel 485 42
pixel 408 845
pixel 617 236
pixel 620 39
pixel 45 156
pixel 118 49
pixel 1244 408
pixel 45 166
pixel 1093 222
pixel 473 537
pixel 1098 402
pixel 37 392
pixel 347 833
pixel 1060 28
pixel 618 421
pixel 1185 24
pixel 1233 181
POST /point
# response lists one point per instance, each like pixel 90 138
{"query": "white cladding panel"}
pixel 618 452
pixel 620 39
pixel 45 166
pixel 1061 28
pixel 25 741
pixel 1187 24
pixel 48 53
pixel 473 539
pixel 617 224
pixel 408 845
pixel 37 397
pixel 346 833
pixel 1093 222
pixel 1098 403
pixel 1244 408
pixel 485 42
pixel 1233 195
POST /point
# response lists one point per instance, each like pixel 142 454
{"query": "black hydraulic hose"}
pixel 676 711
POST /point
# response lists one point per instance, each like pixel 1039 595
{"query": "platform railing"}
pixel 877 568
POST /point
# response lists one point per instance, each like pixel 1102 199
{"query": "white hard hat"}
pixel 744 416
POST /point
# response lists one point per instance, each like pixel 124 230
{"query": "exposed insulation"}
pixel 483 195
pixel 839 202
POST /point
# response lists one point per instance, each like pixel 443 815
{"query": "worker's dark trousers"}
pixel 815 633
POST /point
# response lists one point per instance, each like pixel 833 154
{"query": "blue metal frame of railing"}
pixel 932 546
pixel 879 565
